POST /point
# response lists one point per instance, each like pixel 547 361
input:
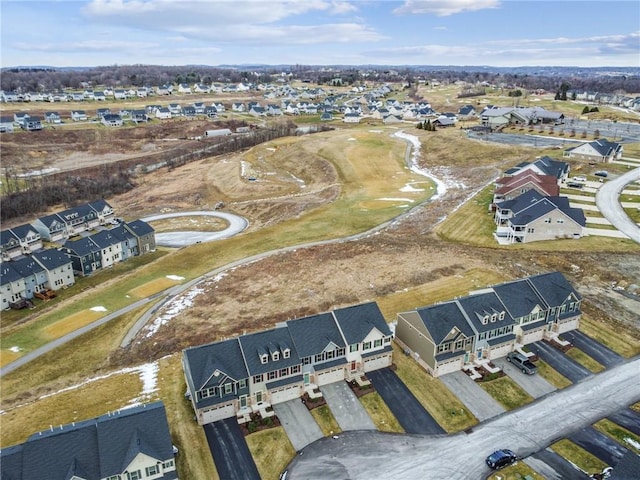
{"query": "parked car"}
pixel 522 362
pixel 501 458
pixel 601 173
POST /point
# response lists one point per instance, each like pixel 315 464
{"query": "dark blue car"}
pixel 501 458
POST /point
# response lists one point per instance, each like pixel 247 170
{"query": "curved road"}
pixel 529 429
pixel 237 224
pixel 607 200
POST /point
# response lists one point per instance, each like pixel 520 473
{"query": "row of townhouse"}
pixel 471 331
pixel 240 376
pixel 527 206
pixel 601 98
pixel 128 444
pixel 195 109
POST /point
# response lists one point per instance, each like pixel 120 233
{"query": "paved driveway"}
pixel 599 445
pixel 346 408
pixel 298 422
pixel 406 408
pixel 559 361
pixel 230 451
pixel 554 467
pixel 608 201
pixel 481 404
pixel 534 385
pixel 593 348
pixel 627 418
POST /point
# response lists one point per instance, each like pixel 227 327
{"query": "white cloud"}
pixel 443 8
pixel 86 45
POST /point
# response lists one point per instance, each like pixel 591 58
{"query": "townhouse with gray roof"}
pixel 601 150
pixel 533 217
pixel 58 267
pixel 145 236
pixel 85 255
pixel 250 373
pixel 542 166
pixel 28 237
pixel 9 245
pixel 469 332
pixel 127 444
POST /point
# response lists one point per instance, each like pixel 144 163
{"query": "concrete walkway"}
pixel 479 402
pixel 346 408
pixel 297 421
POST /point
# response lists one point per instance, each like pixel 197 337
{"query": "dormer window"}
pixel 286 353
pixel 494 317
pixel 501 316
pixel 485 319
pixel 264 358
pixel 275 356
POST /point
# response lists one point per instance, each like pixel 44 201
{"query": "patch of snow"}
pixel 410 188
pixel 175 277
pixel 15 349
pixel 632 442
pixel 351 139
pixel 271 149
pixel 391 199
pixel 98 309
pixel 37 173
pixel 375 131
pixel 172 309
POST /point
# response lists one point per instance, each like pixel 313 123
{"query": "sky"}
pixel 500 33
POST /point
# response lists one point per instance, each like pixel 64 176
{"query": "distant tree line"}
pixel 50 79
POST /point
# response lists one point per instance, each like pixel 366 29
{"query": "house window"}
pixel 228 388
pixel 114 477
pixel 135 475
pixel 494 317
pixel 530 230
pixel 242 383
pixel 353 348
pixel 330 355
pixel 286 353
pixel 264 358
pixel 257 378
pixel 387 340
pixel 560 220
pixel 377 343
pixel 318 358
pixel 153 470
pixel 547 220
pixel 485 319
pixel 284 372
pixel 295 369
pixel 272 375
pixel 501 316
pixel 167 464
pixel 275 356
pixel 340 352
pixel 306 361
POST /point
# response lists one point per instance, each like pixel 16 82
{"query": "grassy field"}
pixel 578 456
pixel 384 420
pixel 516 471
pixel 506 392
pixel 436 291
pixel 437 399
pixel 196 223
pixel 621 435
pixel 584 360
pixel 620 338
pixel 551 375
pixel 154 286
pixel 272 451
pixel 325 419
pixel 71 323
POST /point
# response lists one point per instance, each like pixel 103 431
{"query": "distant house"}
pixel 189 111
pixel 238 107
pixel 120 94
pixel 9 245
pixel 128 444
pixel 601 150
pixel 467 112
pixel 145 235
pixel 8 96
pixel 52 117
pixel 112 120
pixel 468 332
pixel 211 112
pixel 110 247
pixel 533 217
pixel 250 373
pixel 78 115
pixel 184 88
pixel 508 188
pixel 33 275
pixel 32 124
pixel 139 115
pixel 6 124
pixel 542 166
pixel 12 287
pixel 351 118
pixel 79 219
pixel 101 112
pixel 444 121
pixel 163 113
pixel 326 116
pixel 51 228
pixel 28 237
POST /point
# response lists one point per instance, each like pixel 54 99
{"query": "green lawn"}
pixel 578 456
pixel 384 420
pixel 506 392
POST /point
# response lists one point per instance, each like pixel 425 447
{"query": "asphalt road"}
pixel 599 445
pixel 595 350
pixel 627 418
pixel 562 363
pixel 608 202
pixel 366 455
pixel 554 467
pixel 182 239
pixel 405 407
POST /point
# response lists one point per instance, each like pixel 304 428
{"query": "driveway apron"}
pixel 298 422
pixel 534 385
pixel 559 361
pixel 481 404
pixel 627 418
pixel 346 408
pixel 230 451
pixel 594 349
pixel 554 467
pixel 599 445
pixel 406 408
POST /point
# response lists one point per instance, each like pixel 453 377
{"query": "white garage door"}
pixel 376 363
pixel 333 375
pixel 449 367
pixel 533 336
pixel 568 325
pixel 500 351
pixel 218 413
pixel 284 394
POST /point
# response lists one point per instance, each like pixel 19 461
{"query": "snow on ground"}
pixel 443 180
pixel 632 442
pixel 396 199
pixel 410 188
pixel 98 309
pixel 148 376
pixel 172 309
pixel 351 139
pixel 175 277
pixel 15 349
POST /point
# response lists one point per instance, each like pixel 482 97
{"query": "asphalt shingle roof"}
pixel 225 356
pixel 518 297
pixel 441 318
pixel 357 321
pixel 268 341
pixel 553 287
pixel 311 335
pixel 51 258
pixel 479 305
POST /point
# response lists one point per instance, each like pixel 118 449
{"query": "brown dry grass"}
pixel 154 286
pixel 71 323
